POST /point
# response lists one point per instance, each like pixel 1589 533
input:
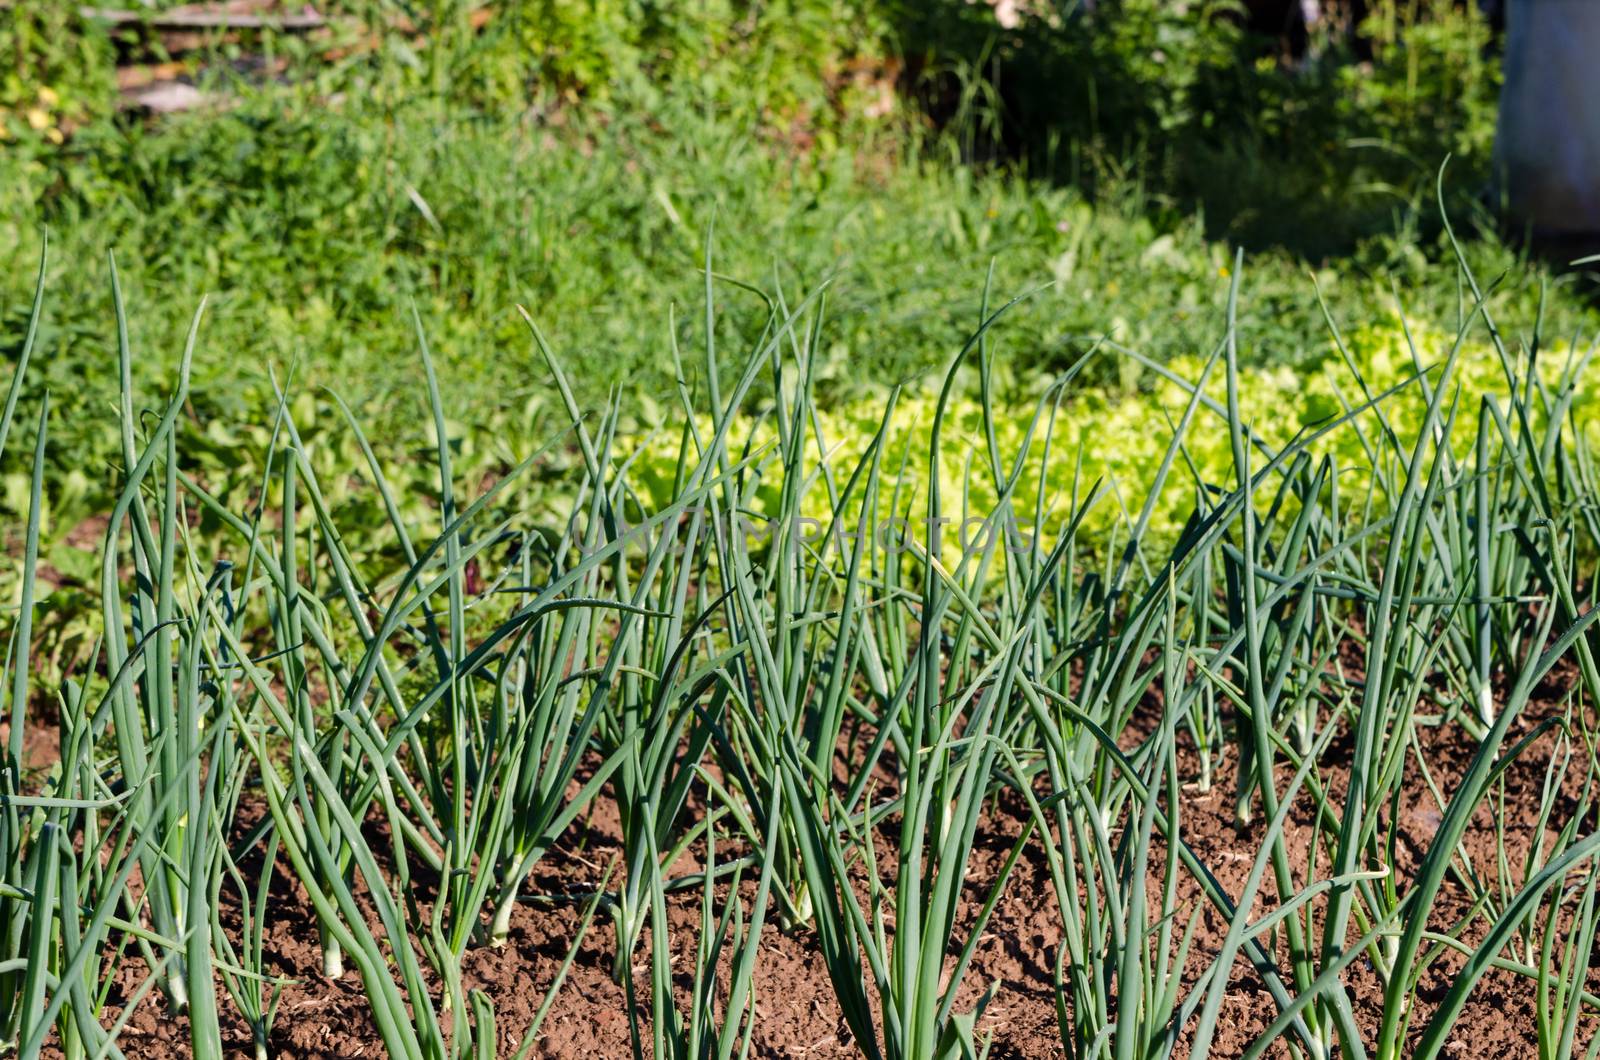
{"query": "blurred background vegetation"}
pixel 1242 109
pixel 574 156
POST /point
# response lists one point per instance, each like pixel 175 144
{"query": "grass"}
pixel 400 723
pixel 314 230
pixel 574 162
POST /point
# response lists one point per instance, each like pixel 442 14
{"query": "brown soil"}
pixel 796 1013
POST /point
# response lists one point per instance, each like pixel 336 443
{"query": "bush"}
pixel 56 72
pixel 1314 151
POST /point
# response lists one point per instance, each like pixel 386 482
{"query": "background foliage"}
pixel 573 157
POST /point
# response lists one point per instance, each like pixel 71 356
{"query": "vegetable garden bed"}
pixel 760 763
